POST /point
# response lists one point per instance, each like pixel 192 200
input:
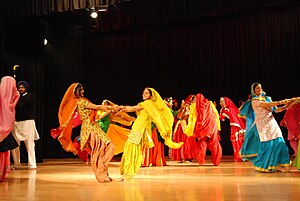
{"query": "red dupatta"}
pixel 206 125
pixel 235 120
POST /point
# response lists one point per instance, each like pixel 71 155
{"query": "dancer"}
pixel 187 151
pixel 155 156
pixel 295 104
pixel 91 136
pixel 291 121
pixel 204 124
pixel 251 143
pixel 152 109
pixel 273 152
pixel 9 97
pixel 238 125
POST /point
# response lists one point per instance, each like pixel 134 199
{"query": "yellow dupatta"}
pixel 217 114
pixel 162 117
pixel 189 128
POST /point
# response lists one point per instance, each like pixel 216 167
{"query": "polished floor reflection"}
pixel 72 179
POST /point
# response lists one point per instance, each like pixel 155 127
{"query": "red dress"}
pixel 187 151
pixel 238 126
pixel 206 130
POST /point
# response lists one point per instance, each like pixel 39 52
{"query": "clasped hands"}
pixel 118 108
pixel 289 102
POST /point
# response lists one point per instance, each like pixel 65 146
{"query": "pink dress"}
pixel 9 97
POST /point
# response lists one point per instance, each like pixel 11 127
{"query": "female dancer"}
pixel 186 152
pixel 204 124
pixel 251 143
pixel 238 125
pixel 296 104
pixel 152 109
pixel 91 136
pixel 273 152
pixel 9 97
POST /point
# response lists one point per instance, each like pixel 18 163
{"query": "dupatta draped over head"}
pixel 235 120
pixel 206 123
pixel 262 97
pixel 9 97
pixel 162 117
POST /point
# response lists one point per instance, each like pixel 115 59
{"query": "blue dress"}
pixel 251 144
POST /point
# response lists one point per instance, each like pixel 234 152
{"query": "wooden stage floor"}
pixel 72 179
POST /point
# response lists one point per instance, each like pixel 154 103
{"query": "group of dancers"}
pixel 108 129
pixel 188 131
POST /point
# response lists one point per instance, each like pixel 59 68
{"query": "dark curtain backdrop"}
pixel 217 54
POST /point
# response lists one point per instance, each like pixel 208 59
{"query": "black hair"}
pixel 255 84
pixel 78 89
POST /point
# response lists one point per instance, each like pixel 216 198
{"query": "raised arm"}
pixel 102 107
pixel 131 108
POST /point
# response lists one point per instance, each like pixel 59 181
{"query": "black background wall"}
pixel 217 51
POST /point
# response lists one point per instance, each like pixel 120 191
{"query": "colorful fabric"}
pixel 230 111
pixel 206 125
pixel 251 143
pixel 267 126
pixel 156 111
pixel 66 117
pixel 296 161
pixel 154 156
pixel 118 137
pixel 203 125
pixel 9 97
pixel 273 151
pixel 272 154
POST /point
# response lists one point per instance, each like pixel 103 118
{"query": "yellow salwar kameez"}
pixel 154 110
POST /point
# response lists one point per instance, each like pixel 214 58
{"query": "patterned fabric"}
pixel 273 151
pixel 87 126
pixel 267 126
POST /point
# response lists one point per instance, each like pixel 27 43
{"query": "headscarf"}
pixel 9 97
pixel 162 117
pixel 206 124
pixel 189 99
pixel 25 85
pixel 234 118
pixel 262 97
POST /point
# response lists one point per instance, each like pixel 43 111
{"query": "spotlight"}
pixel 93 14
pixel 45 41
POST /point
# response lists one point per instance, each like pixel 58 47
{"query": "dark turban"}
pixel 25 85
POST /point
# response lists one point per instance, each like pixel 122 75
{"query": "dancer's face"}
pixel 146 94
pixel 80 92
pixel 258 90
pixel 222 102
